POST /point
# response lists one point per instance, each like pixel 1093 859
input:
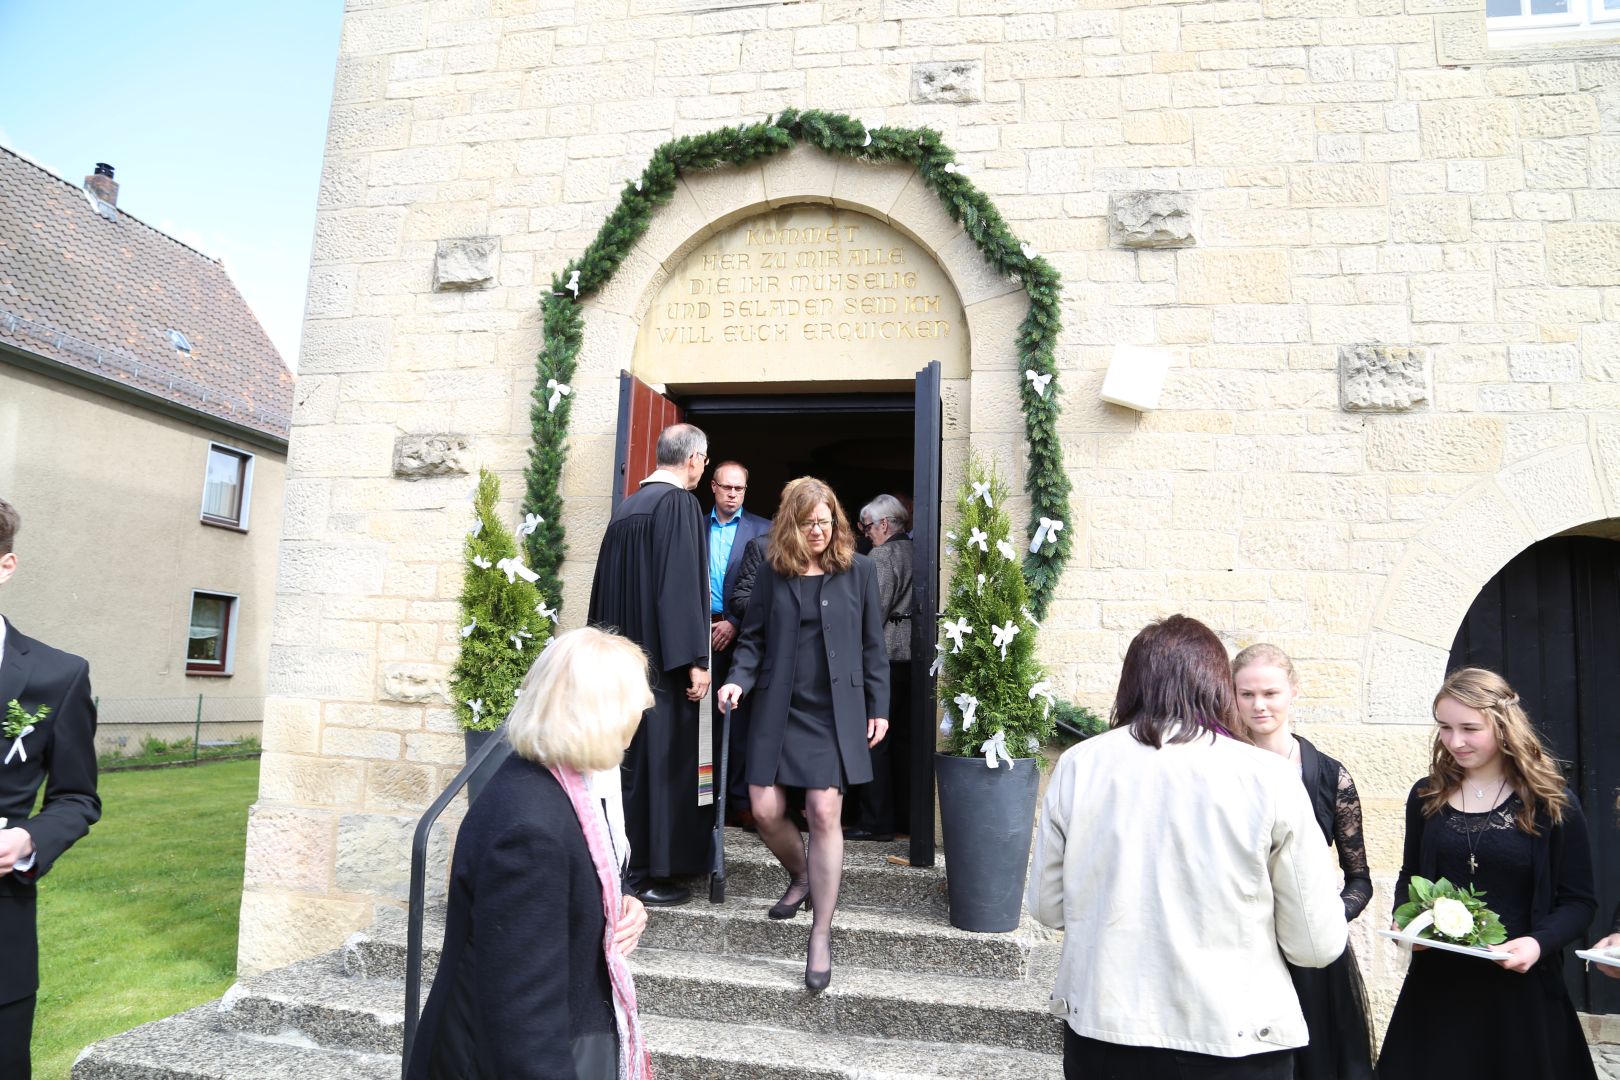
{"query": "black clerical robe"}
pixel 652 586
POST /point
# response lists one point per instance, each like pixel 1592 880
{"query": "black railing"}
pixel 487 759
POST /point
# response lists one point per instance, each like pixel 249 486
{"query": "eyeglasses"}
pixel 735 489
pixel 823 525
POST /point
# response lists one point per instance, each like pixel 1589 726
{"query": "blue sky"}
pixel 212 113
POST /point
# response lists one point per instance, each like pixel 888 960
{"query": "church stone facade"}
pixel 1380 255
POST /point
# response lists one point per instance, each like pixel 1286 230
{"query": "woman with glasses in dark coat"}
pixel 811 648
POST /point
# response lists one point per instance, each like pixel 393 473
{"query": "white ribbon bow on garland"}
pixel 980 539
pixel 969 706
pixel 573 284
pixel 529 523
pixel 980 586
pixel 996 747
pixel 466 631
pixel 477 527
pixel 477 707
pixel 1043 689
pixel 559 391
pixel 1003 636
pixel 17 746
pixel 481 562
pixel 981 490
pixel 1038 379
pixel 1008 552
pixel 945 724
pixel 1029 617
pixel 1045 533
pixel 513 568
pixel 517 640
pixel 939 660
pixel 955 630
pixel 546 612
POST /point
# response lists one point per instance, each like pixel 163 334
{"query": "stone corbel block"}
pixel 1150 219
pixel 416 456
pixel 465 263
pixel 949 82
pixel 1384 378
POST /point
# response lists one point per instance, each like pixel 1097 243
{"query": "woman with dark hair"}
pixel 1333 998
pixel 1184 866
pixel 812 646
pixel 1494 813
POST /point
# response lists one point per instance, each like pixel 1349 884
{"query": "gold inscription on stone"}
pixel 804 293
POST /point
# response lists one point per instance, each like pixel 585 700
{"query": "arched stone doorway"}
pixel 1549 622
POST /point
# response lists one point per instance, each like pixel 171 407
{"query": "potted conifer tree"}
pixel 505 623
pixel 998 713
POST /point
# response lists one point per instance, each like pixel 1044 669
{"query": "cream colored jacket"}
pixel 1182 877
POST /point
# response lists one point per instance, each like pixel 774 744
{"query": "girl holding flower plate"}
pixel 1333 998
pixel 1494 814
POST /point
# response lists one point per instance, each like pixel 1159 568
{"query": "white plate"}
pixel 1466 950
pixel 1609 958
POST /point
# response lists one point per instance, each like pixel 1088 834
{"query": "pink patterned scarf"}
pixel 635 1063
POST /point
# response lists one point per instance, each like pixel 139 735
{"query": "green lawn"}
pixel 138 920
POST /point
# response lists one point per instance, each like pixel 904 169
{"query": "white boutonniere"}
pixel 19 722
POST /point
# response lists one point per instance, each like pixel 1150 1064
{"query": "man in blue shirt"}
pixel 730 529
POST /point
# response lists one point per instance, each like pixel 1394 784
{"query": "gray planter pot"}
pixel 988 817
pixel 474 741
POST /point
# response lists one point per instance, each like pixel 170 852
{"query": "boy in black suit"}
pixel 47 736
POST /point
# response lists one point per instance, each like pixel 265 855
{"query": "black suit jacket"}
pixel 750 526
pixel 522 974
pixel 61 756
pixel 857 663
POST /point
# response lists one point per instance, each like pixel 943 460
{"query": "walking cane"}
pixel 717 871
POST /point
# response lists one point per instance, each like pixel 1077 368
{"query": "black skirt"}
pixel 1335 1005
pixel 1460 1016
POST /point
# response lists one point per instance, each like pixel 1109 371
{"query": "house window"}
pixel 227 487
pixel 1550 14
pixel 210 640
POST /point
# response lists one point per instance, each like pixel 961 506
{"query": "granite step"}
pixel 918 941
pixel 189 1046
pixel 864 1002
pixel 871 878
pixel 315 1000
pixel 706 1050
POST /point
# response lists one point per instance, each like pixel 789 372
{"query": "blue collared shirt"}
pixel 721 537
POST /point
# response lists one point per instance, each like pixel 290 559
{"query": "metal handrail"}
pixel 499 749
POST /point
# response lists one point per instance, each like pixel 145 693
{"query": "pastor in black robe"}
pixel 652 586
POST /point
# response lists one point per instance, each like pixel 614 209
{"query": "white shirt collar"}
pixel 664 476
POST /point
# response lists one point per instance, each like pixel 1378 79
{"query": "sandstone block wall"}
pixel 1361 178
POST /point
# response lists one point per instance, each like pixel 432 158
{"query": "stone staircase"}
pixel 721 990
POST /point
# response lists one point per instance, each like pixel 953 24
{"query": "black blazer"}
pixel 522 975
pixel 62 757
pixel 1563 899
pixel 750 526
pixel 857 662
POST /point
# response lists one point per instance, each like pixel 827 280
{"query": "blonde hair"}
pixel 788 554
pixel 1268 656
pixel 1530 769
pixel 581 701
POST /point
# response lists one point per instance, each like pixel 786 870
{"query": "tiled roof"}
pixel 101 292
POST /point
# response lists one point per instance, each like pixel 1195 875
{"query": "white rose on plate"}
pixel 1451 918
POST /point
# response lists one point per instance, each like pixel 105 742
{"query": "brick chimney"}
pixel 101 184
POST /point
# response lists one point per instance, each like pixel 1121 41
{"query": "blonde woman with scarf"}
pixel 533 982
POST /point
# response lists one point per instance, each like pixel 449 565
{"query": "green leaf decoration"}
pixel 563 325
pixel 502 628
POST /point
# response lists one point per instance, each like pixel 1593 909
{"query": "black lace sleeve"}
pixel 1357 892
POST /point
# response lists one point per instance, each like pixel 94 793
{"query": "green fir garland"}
pixel 994 693
pixel 503 628
pixel 564 324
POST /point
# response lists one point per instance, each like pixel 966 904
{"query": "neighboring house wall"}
pixel 1355 173
pixel 111 545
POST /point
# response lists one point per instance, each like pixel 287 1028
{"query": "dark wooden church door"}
pixel 643 413
pixel 1549 622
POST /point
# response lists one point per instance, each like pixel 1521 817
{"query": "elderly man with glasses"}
pixel 884 804
pixel 731 527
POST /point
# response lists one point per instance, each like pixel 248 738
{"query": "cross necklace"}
pixel 1471 836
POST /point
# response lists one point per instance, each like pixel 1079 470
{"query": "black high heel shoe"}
pixel 783 909
pixel 818 980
